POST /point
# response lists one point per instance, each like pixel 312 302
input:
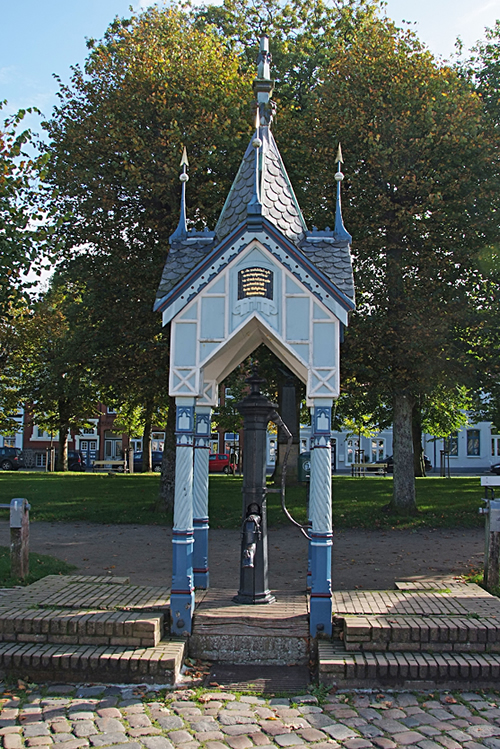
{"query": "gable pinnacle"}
pixel 339 231
pixel 181 232
pixel 263 85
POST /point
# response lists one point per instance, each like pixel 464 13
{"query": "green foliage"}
pixel 23 236
pixel 153 84
pixel 446 411
pixel 49 363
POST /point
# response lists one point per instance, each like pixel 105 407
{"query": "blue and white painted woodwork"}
pixel 182 593
pixel 320 513
pixel 213 330
pixel 296 302
pixel 202 433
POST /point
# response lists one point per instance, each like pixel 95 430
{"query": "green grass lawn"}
pixel 357 502
pixel 40 566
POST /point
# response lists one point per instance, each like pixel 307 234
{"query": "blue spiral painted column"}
pixel 202 431
pixel 320 510
pixel 182 595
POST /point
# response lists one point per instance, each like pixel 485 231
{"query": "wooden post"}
pixel 19 538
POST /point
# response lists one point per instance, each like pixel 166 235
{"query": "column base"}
pixel 181 612
pixel 201 579
pixel 320 617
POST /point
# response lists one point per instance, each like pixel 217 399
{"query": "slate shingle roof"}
pixel 182 258
pixel 333 258
pixel 279 203
pixel 328 251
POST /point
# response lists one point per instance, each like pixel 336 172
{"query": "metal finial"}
pixel 264 59
pixel 340 232
pixel 263 85
pixel 181 232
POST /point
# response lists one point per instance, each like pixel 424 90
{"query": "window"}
pixel 40 433
pixel 451 445
pixel 473 443
pixel 353 452
pixel 40 460
pixel 89 431
pixel 495 446
pixel 378 450
pixel 9 441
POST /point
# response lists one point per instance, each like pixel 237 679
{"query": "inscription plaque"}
pixel 255 282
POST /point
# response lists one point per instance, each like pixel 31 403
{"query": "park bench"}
pixel 363 469
pixel 110 465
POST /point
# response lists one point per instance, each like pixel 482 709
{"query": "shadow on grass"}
pixel 357 502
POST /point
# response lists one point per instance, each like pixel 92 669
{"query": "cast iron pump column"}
pixel 257 411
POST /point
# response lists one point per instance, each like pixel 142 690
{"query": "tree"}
pixel 22 237
pixel 421 196
pixel 151 85
pixel 49 356
pixel 422 193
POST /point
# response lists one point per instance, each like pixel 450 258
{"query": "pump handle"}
pixel 280 423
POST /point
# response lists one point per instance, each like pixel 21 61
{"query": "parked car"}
pixel 76 460
pixel 495 469
pixel 219 463
pixel 390 463
pixel 156 460
pixel 11 458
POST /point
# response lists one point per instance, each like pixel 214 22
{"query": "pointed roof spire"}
pixel 262 187
pixel 263 85
pixel 181 232
pixel 340 231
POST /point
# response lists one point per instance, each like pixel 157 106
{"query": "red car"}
pixel 219 463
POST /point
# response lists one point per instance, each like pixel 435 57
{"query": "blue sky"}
pixel 40 38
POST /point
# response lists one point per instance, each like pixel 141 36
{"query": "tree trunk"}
pixel 403 498
pixel 147 463
pixel 63 417
pixel 62 453
pixel 289 410
pixel 166 494
pixel 418 450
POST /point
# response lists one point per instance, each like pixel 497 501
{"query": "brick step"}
pixel 67 663
pixel 245 649
pixel 418 668
pixel 136 629
pixel 476 634
pixel 88 592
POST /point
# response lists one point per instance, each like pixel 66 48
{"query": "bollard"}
pixel 492 538
pixel 19 538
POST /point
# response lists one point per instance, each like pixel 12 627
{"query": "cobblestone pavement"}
pixel 124 718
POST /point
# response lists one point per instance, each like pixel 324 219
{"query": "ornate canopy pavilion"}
pixel 260 277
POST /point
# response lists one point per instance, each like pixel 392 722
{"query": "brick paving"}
pixel 73 717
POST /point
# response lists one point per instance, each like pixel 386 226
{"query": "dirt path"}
pixel 363 559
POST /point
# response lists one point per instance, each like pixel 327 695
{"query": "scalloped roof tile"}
pixel 333 257
pixel 279 203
